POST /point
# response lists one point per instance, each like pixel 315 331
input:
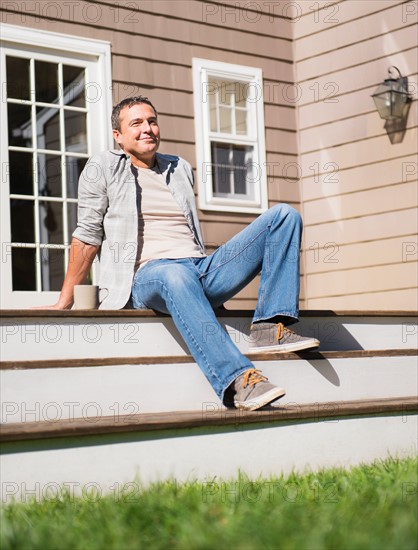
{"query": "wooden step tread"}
pixel 211 415
pixel 135 313
pixel 176 359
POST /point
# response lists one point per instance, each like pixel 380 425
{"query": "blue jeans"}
pixel 189 288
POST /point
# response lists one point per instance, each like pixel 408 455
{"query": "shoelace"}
pixel 252 377
pixel 282 330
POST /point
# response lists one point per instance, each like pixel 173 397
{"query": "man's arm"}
pixel 81 258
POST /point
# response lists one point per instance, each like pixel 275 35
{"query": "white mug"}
pixel 86 297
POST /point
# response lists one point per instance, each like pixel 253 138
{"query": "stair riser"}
pixel 94 466
pixel 53 338
pixel 54 394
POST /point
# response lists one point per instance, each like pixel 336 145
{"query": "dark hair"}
pixel 128 102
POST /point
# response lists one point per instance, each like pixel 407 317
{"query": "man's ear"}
pixel 116 136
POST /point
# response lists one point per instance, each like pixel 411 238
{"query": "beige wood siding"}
pixel 359 190
pixel 153 43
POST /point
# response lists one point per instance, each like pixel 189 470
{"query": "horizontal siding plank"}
pixel 167 102
pixel 276 116
pixel 343 12
pixel 363 203
pixel 293 204
pixel 360 153
pixel 221 217
pixel 173 127
pixel 379 301
pixel 309 8
pixel 352 129
pixel 368 228
pixel 216 233
pixel 152 73
pixel 280 190
pixel 378 174
pixel 357 53
pixel 351 32
pixel 278 140
pixel 249 296
pixel 367 279
pixel 185 150
pixel 330 256
pixel 282 166
pixel 237 303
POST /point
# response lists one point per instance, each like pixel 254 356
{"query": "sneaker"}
pixel 272 338
pixel 253 390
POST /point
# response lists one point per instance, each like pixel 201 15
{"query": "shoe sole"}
pixel 261 401
pixel 285 348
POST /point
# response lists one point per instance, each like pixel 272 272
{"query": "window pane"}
pixel 221 168
pixel 23 268
pixel 241 94
pixel 50 228
pixel 225 120
pixel 241 121
pixel 74 168
pixel 17 77
pixel 20 125
pixel 240 180
pixel 226 92
pixel 222 176
pixel 21 173
pixel 49 175
pixel 48 128
pixel 221 153
pixel 52 268
pixel 242 160
pixel 22 221
pixel 232 170
pixel 46 82
pixel 74 85
pixel 75 132
pixel 239 155
pixel 213 121
pixel 72 217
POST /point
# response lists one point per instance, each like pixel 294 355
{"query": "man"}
pixel 137 211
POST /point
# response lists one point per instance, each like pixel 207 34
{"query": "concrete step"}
pixel 111 456
pixel 46 335
pixel 62 392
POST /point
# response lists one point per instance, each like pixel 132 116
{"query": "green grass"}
pixel 367 507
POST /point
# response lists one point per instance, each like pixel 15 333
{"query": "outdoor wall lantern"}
pixel 393 103
pixel 391 98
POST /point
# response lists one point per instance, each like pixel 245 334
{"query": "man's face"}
pixel 139 134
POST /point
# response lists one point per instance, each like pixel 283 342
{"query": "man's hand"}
pixel 81 259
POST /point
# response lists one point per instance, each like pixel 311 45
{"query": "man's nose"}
pixel 146 126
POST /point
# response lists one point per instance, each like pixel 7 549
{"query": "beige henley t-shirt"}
pixel 163 231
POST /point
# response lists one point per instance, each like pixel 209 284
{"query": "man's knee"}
pixel 284 210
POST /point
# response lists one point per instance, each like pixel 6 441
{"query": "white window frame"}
pixel 203 69
pixel 46 46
